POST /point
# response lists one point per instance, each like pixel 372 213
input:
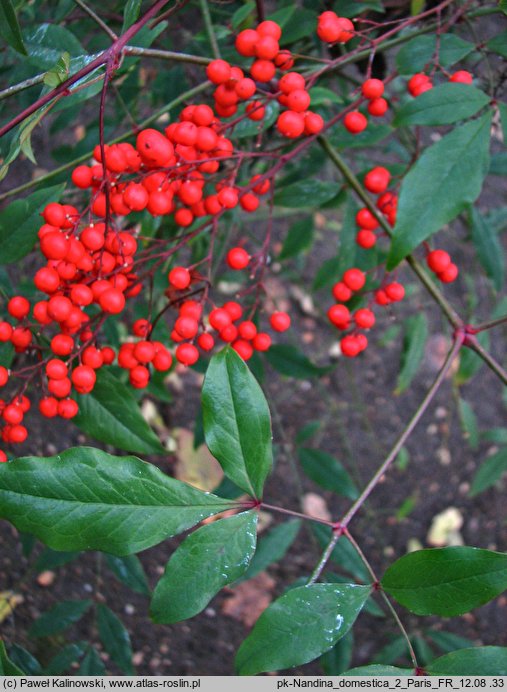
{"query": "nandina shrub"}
pixel 127 250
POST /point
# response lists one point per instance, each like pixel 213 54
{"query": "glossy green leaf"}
pixel 47 42
pixel 20 222
pixel 51 559
pixel 481 660
pixel 24 660
pixel 64 659
pixel 417 53
pixel 129 570
pixel 338 659
pixel 86 499
pixel 130 13
pixel 242 14
pixel 59 73
pixel 489 472
pixel 327 472
pixel 272 547
pixel 489 248
pixel 307 192
pixel 9 27
pixel 442 105
pixel 91 664
pixel 344 554
pixel 304 623
pixel 498 44
pixel 59 617
pixel 448 176
pixel 7 667
pixel 446 581
pixel 288 360
pixel 414 344
pixel 210 558
pixel 115 638
pixel 376 669
pixel 298 239
pixel 374 134
pixel 111 414
pixel 237 424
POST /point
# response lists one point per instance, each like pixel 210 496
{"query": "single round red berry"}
pixel 438 260
pixel 280 321
pixel 355 122
pixel 238 258
pixel 354 279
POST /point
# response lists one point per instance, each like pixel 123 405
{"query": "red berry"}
pixel 108 355
pixel 339 315
pixel 12 414
pixel 82 176
pixel 365 219
pixel 366 239
pixel 238 258
pixel 4 376
pixel 377 180
pixel 355 122
pixel 139 376
pixel 462 76
pixel 438 260
pixel 219 318
pixel 350 346
pixel 67 408
pixel 112 301
pixel 187 327
pixel 341 292
pixel 83 378
pixel 59 308
pixel 378 107
pixel 92 356
pixel 187 354
pixel 247 330
pixel 163 360
pixel 18 307
pixel 234 310
pixel 56 369
pixel 290 82
pixel 373 88
pixel 5 331
pixel 354 279
pixel 261 342
pixel 449 274
pixel 47 280
pixel 48 406
pixel 395 291
pixel 243 348
pixel 280 321
pixel 290 124
pixel 206 341
pixel 54 214
pixel 245 42
pixel 218 71
pixel 179 277
pixel 270 28
pixel 364 318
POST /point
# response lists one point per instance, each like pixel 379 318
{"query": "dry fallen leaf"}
pixel 249 599
pixel 444 530
pixel 315 506
pixel 195 466
pixel 8 601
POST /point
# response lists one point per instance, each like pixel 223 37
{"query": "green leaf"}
pixel 111 414
pixel 480 660
pixel 20 222
pixel 327 472
pixel 130 13
pixel 288 360
pixel 489 472
pixel 489 248
pixel 468 422
pixel 338 659
pixel 447 176
pixel 59 73
pixel 91 664
pixel 115 639
pixel 498 44
pixel 7 667
pixel 85 499
pixel 344 554
pixel 498 165
pixel 304 623
pixel 24 660
pixel 502 4
pixel 375 670
pixel 448 641
pixel 322 96
pixel 9 27
pixel 237 425
pixel 442 105
pixel 272 547
pixel 47 42
pixel 307 431
pixel 49 559
pixel 64 659
pixel 417 53
pixel 210 558
pixel 129 570
pixel 242 14
pixel 298 239
pixel 469 362
pixel 446 581
pixel 307 192
pixel 59 617
pixel 414 343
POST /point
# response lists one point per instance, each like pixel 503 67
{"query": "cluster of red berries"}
pixel 375 181
pixel 421 82
pixel 373 90
pixel 263 44
pixel 334 29
pixel 439 261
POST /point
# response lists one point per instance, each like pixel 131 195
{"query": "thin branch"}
pixel 328 550
pixel 475 329
pixel 25 84
pixel 166 55
pixel 97 19
pixel 209 28
pixel 421 409
pixel 472 342
pixel 292 513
